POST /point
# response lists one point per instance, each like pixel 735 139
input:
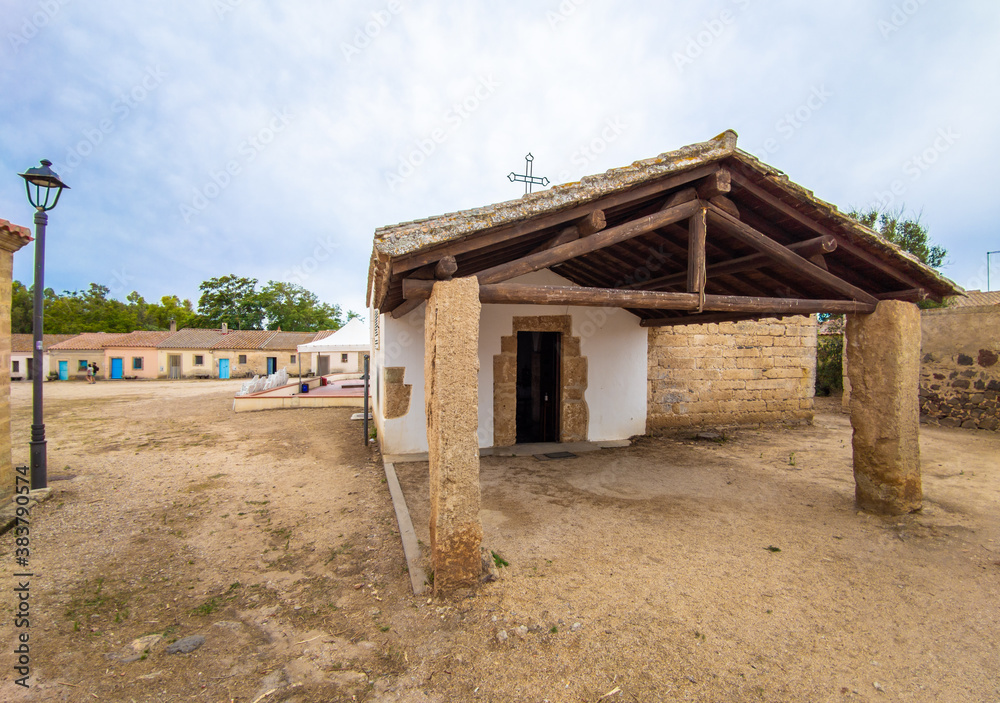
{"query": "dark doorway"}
pixel 538 384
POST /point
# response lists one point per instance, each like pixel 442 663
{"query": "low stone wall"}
pixel 733 373
pixel 959 370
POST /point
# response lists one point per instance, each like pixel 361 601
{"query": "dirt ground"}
pixel 674 569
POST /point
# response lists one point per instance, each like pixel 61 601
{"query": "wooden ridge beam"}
pixel 842 242
pixel 765 245
pixel 528 294
pixel 521 228
pixel 719 183
pixel 600 240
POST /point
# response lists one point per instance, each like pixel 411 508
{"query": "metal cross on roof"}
pixel 528 179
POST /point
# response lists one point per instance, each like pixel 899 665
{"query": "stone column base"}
pixel 883 351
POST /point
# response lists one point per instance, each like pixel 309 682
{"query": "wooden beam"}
pixel 819 261
pixel 800 306
pixel 408 305
pixel 570 250
pixel 682 196
pixel 724 203
pixel 594 222
pixel 717 184
pixel 527 294
pixel 569 234
pixel 523 293
pixel 778 252
pixel 515 230
pixel 912 295
pixel 445 268
pixel 810 247
pixel 842 242
pixel 696 277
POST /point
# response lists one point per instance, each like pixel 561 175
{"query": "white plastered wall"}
pixel 610 338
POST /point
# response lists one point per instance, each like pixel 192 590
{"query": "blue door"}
pixel 116 368
pixel 272 365
pixel 63 370
pixel 223 368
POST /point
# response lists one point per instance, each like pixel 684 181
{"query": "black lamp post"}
pixel 43 185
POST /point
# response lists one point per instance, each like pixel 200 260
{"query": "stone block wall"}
pixel 959 370
pixel 10 242
pixel 732 373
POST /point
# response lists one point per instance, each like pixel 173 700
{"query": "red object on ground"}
pixel 322 380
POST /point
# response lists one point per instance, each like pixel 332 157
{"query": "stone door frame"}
pixel 574 416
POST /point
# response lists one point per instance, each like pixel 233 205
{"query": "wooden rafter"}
pixel 593 222
pixel 785 256
pixel 808 248
pixel 570 250
pixel 842 242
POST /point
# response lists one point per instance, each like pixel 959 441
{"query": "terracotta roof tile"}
pixel 87 340
pixel 191 338
pixel 975 299
pixel 288 341
pixel 25 343
pixel 243 339
pixel 833 326
pixel 140 338
pixel 17 230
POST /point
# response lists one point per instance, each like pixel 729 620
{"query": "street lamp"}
pixel 42 185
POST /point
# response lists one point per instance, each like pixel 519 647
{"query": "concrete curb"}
pixel 411 549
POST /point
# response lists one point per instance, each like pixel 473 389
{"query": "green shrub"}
pixel 830 366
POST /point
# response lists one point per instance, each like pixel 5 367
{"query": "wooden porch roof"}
pixel 703 234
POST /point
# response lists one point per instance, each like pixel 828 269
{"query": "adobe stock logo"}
pixel 367 33
pixel 249 149
pixel 917 165
pixel 122 107
pixel 452 120
pixel 31 26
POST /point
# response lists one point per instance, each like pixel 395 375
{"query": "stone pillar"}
pixel 883 351
pixel 10 242
pixel 451 383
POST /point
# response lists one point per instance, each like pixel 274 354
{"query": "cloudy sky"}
pixel 208 137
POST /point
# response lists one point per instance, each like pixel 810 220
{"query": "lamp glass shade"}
pixel 43 185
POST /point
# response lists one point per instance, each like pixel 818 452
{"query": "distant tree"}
pixel 292 307
pixel 21 309
pixel 230 299
pixel 170 308
pixel 905 232
pixel 233 300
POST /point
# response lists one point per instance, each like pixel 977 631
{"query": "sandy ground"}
pixel 736 570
